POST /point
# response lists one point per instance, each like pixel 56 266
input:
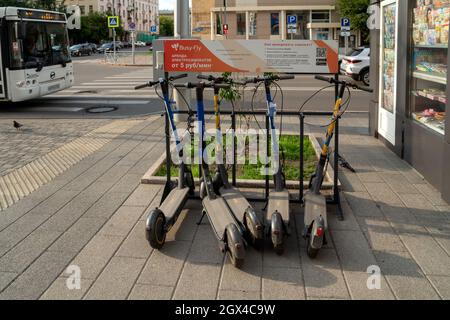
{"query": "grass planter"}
pixel 248 176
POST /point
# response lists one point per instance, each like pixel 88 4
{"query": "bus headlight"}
pixel 20 84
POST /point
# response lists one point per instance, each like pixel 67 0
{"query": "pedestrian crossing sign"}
pixel 113 21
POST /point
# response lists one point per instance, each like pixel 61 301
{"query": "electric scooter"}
pixel 315 219
pixel 161 219
pixel 238 204
pixel 277 214
pixel 226 227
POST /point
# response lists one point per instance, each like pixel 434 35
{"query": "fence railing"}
pixel 126 57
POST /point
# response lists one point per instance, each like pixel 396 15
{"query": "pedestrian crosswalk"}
pixel 112 86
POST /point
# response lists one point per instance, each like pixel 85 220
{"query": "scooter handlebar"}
pixel 191 85
pixel 353 85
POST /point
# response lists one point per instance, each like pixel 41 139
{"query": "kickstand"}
pixel 201 219
pixel 265 206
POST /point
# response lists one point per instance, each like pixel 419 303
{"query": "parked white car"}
pixel 357 65
pixel 139 44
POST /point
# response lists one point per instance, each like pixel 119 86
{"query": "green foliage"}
pixel 356 10
pixel 231 94
pixel 54 5
pixel 94 28
pixel 166 27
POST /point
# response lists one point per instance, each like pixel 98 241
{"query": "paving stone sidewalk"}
pixel 37 138
pixel 93 216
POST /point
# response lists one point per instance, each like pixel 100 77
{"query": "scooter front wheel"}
pixel 277 233
pixel 155 229
pixel 235 246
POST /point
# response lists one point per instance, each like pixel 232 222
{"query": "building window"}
pixel 275 24
pixel 241 25
pixel 82 11
pixel 91 9
pixel 320 16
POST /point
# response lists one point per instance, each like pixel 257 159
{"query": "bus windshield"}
pixel 35 44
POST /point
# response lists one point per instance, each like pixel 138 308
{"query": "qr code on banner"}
pixel 321 52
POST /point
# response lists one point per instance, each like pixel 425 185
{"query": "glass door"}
pixel 429 64
pixel 388 70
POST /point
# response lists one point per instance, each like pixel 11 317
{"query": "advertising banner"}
pixel 251 56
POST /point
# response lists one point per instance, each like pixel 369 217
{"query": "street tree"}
pixel 356 10
pixel 94 28
pixel 55 5
pixel 166 26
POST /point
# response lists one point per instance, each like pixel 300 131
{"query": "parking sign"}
pixel 345 24
pixel 153 29
pixel 292 20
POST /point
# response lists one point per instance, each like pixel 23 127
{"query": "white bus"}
pixel 34 55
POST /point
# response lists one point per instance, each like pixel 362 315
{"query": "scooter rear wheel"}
pixel 235 245
pixel 277 233
pixel 154 230
pixel 255 231
pixel 310 251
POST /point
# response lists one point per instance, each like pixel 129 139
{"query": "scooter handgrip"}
pixel 180 76
pixel 222 86
pixel 286 77
pixel 205 77
pixel 322 78
pixel 142 86
pixel 366 89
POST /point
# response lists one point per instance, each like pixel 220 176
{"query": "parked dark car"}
pixel 79 50
pixel 126 44
pixel 93 47
pixel 107 47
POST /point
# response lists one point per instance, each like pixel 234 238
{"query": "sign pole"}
pixel 133 33
pixel 182 31
pixel 114 33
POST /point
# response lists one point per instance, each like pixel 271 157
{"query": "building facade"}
pixel 145 11
pixel 267 19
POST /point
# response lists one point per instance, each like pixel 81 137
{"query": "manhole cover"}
pixel 86 91
pixel 101 109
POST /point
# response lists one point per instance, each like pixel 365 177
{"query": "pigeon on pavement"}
pixel 17 125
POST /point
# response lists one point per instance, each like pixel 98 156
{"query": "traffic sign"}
pixel 113 21
pixel 345 23
pixel 132 26
pixel 345 33
pixel 292 29
pixel 153 29
pixel 225 29
pixel 292 20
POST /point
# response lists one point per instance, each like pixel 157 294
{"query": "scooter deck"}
pixel 315 206
pixel 174 203
pixel 219 215
pixel 278 201
pixel 236 201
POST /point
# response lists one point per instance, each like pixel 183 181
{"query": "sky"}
pixel 166 4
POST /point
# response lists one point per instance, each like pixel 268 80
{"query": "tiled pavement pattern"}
pixel 93 216
pixel 20 182
pixel 37 138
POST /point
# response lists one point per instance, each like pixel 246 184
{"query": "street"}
pixel 100 85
